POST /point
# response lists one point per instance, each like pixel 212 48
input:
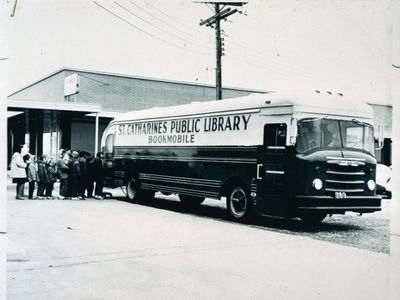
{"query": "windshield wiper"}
pixel 309 120
pixel 360 123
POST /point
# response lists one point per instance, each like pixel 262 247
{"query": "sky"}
pixel 340 46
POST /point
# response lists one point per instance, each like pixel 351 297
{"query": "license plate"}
pixel 340 195
pixel 349 163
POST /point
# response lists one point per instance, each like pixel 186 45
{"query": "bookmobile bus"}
pixel 306 156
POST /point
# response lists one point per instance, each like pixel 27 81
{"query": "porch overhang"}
pixel 16 105
pixel 54 105
pixel 105 114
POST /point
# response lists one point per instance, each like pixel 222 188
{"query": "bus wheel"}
pixel 312 218
pixel 190 201
pixel 131 190
pixel 134 194
pixel 238 203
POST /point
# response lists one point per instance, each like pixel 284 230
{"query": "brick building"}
pixel 71 108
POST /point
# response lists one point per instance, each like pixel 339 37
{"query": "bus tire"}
pixel 135 194
pixel 191 201
pixel 313 218
pixel 239 203
pixel 132 190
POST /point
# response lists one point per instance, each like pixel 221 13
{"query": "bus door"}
pixel 272 172
pixel 108 164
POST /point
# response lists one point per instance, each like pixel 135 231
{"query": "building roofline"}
pixel 135 77
pixel 58 105
pixel 37 81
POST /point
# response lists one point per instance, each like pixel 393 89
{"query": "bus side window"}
pixel 109 146
pixel 275 135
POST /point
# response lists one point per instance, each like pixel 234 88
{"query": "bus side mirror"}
pixel 293 132
pixel 379 138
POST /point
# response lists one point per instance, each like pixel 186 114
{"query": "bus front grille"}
pixel 345 175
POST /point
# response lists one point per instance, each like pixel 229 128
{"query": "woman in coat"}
pixel 18 170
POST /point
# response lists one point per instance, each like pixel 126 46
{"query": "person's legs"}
pixel 68 191
pixel 74 188
pixel 101 185
pixel 90 188
pixel 63 187
pixel 99 188
pixel 20 189
pixel 41 188
pixel 31 189
pixel 49 189
pixel 82 187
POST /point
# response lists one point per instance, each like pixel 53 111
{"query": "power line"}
pixel 262 62
pixel 287 70
pixel 305 67
pixel 276 66
pixel 252 54
pixel 174 19
pixel 157 27
pixel 299 69
pixel 237 48
pixel 254 58
pixel 146 32
pixel 265 66
pixel 165 22
pixel 168 24
pixel 198 35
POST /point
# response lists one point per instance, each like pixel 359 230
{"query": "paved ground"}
pixel 112 249
pixel 369 231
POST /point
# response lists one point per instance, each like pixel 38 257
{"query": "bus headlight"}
pixel 371 185
pixel 317 184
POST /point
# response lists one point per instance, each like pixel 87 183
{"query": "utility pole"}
pixel 221 13
pixel 218 43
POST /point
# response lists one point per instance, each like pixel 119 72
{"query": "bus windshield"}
pixel 327 133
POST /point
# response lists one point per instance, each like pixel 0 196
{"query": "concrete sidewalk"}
pixel 117 250
pixel 16 252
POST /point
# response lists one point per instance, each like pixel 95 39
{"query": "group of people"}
pixel 78 172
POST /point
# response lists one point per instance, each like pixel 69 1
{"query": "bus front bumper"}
pixel 329 204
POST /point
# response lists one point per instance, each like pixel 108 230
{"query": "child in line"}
pixel 42 176
pixel 32 173
pixel 51 177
